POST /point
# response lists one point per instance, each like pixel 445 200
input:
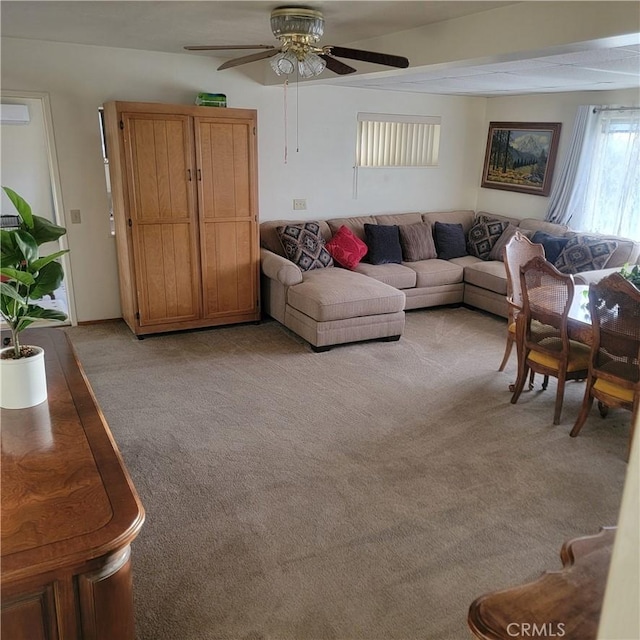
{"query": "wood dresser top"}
pixel 65 492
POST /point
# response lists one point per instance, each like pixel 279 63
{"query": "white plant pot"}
pixel 23 382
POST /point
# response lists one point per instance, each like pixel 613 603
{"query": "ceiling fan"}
pixel 298 30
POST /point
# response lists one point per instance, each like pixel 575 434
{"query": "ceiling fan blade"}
pixel 227 47
pixel 333 64
pixel 246 59
pixel 370 56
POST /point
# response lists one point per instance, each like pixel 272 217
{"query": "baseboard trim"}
pixel 87 322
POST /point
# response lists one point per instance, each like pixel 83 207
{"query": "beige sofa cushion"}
pixel 396 275
pixel 463 217
pixel 435 273
pixel 399 218
pixel 269 238
pixel 335 294
pixel 489 275
pixel 356 224
pixel 533 224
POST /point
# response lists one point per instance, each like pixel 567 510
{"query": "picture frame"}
pixel 520 156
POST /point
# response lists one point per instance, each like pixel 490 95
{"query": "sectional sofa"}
pixel 334 305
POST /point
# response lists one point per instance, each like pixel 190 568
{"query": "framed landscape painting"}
pixel 520 156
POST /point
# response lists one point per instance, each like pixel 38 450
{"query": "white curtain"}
pixel 604 194
pixel 563 186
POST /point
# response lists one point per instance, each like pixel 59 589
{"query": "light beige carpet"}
pixel 371 492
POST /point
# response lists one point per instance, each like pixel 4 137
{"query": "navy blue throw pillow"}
pixel 553 245
pixel 383 241
pixel 450 240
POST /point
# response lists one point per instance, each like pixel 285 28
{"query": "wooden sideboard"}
pixel 69 512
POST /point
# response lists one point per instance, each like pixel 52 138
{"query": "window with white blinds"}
pixel 387 140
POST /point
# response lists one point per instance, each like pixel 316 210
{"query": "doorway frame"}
pixel 56 187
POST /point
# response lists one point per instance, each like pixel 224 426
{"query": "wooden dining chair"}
pixel 614 367
pixel 517 252
pixel 547 297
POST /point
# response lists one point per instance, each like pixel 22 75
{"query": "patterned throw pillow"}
pixel 417 242
pixel 303 244
pixel 585 253
pixel 483 235
pixel 346 248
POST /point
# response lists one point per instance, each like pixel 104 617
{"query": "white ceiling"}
pixel 587 70
pixel 168 26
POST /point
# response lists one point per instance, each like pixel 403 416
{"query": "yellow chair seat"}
pixel 578 358
pixel 535 326
pixel 614 390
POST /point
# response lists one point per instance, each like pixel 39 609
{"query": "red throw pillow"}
pixel 346 248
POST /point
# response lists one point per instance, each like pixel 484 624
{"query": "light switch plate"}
pixel 75 216
pixel 299 204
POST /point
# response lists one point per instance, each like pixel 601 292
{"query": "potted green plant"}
pixel 632 274
pixel 26 277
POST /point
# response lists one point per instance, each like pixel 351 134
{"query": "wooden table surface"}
pixel 579 320
pixel 68 503
pixel 561 604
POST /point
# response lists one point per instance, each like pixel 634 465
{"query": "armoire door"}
pixel 159 156
pixel 225 152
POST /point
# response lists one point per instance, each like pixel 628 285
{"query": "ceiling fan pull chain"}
pixel 297 111
pixel 284 92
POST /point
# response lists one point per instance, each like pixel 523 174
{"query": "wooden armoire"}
pixel 185 204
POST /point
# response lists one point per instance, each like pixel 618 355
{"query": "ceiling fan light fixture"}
pixel 288 21
pixel 312 65
pixel 284 63
pixel 298 30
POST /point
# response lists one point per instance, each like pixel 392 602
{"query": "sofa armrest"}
pixel 278 268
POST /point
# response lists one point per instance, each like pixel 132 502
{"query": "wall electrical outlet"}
pixel 75 216
pixel 299 204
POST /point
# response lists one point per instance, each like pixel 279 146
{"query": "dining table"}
pixel 579 320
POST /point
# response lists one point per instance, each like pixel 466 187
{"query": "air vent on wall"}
pixel 14 114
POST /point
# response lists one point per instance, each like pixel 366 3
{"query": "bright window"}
pixel 387 140
pixel 611 178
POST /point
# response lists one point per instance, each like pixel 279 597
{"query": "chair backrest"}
pixel 517 252
pixel 547 296
pixel 615 314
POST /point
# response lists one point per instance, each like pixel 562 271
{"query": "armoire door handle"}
pixel 189 174
pixel 199 175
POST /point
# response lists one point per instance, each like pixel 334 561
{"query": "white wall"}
pixel 322 171
pixel 25 161
pixel 550 107
pixel 81 78
pixel 620 618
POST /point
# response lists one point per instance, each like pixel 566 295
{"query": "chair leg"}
pixel 603 409
pixel 559 399
pixel 507 351
pixel 545 383
pixel 532 375
pixel 522 377
pixel 587 403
